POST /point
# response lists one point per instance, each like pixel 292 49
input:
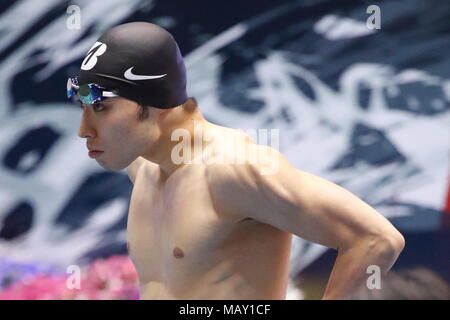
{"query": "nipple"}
pixel 178 253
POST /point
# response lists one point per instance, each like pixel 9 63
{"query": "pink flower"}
pixel 39 287
pixel 114 278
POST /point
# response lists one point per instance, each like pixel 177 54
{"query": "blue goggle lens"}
pixel 87 93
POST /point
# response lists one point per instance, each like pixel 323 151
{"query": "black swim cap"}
pixel 139 61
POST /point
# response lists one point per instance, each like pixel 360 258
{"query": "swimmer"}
pixel 210 227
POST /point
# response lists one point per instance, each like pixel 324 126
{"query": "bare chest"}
pixel 174 232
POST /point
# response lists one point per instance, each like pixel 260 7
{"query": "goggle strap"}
pixel 109 94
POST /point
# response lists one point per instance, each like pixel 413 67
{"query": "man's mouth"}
pixel 94 153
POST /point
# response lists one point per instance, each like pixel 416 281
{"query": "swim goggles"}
pixel 87 93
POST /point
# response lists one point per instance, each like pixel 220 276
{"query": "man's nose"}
pixel 86 130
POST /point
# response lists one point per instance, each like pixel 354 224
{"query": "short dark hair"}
pixel 190 103
pixel 143 112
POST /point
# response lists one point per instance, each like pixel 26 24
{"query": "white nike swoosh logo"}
pixel 130 76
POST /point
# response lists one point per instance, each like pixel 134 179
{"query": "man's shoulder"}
pixel 248 166
pixel 240 154
pixel 230 183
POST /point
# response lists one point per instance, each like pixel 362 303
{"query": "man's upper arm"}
pixel 298 202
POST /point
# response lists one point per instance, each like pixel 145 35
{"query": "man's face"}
pixel 113 127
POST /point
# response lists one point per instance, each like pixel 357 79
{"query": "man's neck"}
pixel 189 139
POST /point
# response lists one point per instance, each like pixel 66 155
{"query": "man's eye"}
pixel 97 107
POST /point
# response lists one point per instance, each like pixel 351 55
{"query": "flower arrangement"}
pixel 114 278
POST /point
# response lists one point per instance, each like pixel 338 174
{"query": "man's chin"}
pixel 111 167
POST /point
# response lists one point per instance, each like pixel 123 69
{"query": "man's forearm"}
pixel 350 268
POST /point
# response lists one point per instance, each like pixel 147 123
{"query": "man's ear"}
pixel 190 105
pixel 163 113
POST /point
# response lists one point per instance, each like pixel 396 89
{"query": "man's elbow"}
pixel 390 245
pixel 398 242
